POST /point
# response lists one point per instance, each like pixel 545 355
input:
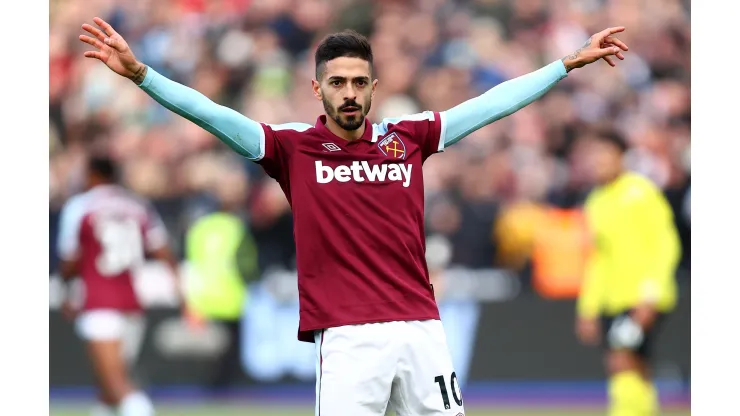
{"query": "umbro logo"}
pixel 331 147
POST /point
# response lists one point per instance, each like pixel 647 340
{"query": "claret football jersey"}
pixel 108 230
pixel 358 210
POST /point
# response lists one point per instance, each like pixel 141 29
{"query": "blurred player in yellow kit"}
pixel 629 284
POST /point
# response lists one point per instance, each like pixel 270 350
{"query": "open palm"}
pixel 112 49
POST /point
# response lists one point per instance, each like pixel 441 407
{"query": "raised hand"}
pixel 599 46
pixel 588 331
pixel 113 51
pixel 70 310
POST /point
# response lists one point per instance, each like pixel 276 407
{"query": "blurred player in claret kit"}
pixel 105 233
pixel 629 285
pixel 357 195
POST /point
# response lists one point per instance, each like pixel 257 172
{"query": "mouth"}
pixel 350 111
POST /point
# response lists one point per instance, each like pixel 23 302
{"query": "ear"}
pixel 375 85
pixel 316 86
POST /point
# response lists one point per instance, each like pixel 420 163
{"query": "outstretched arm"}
pixel 499 102
pixel 511 96
pixel 242 134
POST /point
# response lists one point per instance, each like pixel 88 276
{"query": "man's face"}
pixel 605 161
pixel 346 89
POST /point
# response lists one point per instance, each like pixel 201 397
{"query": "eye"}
pixel 335 83
pixel 361 83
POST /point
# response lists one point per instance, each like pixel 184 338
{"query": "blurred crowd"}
pixel 487 195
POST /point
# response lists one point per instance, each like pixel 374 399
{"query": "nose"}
pixel 350 93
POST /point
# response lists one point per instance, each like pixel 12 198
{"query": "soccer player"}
pixel 357 197
pixel 104 233
pixel 630 277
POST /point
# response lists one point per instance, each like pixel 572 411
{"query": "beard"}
pixel 347 122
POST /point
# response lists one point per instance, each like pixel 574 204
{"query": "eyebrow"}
pixel 338 78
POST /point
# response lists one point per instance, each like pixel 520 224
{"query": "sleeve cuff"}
pixel 148 78
pixel 588 314
pixel 156 239
pixel 442 131
pixel 558 68
pixel 66 255
pixel 586 310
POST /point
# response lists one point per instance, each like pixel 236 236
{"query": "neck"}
pixel 230 208
pixel 614 177
pixel 348 135
pixel 96 183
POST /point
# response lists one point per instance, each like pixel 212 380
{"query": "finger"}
pixel 94 31
pixel 115 43
pixel 613 30
pixel 94 42
pixel 94 54
pixel 609 61
pixel 610 31
pixel 105 26
pixel 616 42
pixel 612 50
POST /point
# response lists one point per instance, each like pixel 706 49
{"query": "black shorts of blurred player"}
pixel 637 357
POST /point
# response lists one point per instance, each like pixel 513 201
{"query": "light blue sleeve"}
pixel 499 102
pixel 243 135
pixel 70 221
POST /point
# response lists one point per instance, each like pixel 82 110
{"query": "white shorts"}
pixel 363 369
pixel 111 325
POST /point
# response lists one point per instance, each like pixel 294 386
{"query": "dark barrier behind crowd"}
pixel 504 335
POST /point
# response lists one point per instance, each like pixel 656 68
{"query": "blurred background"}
pixel 506 244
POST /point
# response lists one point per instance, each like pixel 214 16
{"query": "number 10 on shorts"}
pixel 453 386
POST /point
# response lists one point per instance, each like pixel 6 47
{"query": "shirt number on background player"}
pixel 456 394
pixel 121 245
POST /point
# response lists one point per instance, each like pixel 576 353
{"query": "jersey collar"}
pixel 366 136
